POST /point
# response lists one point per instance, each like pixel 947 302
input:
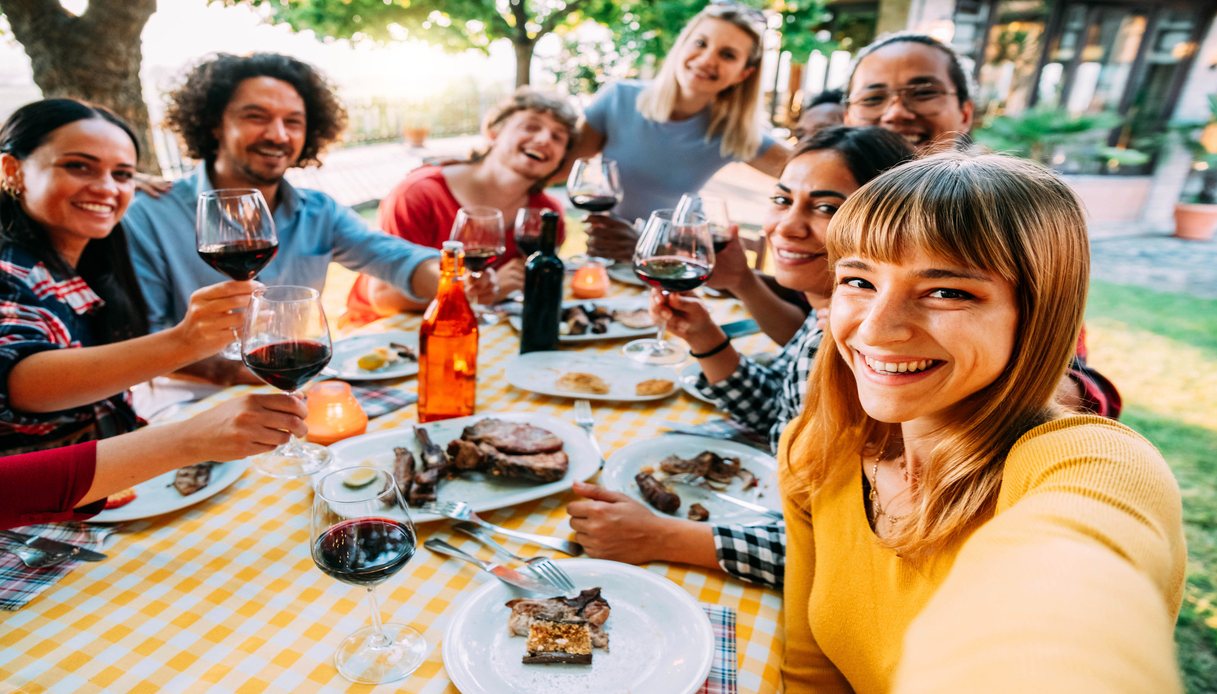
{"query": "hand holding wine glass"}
pixel 481 230
pixel 714 210
pixel 673 255
pixel 235 234
pixel 360 533
pixel 594 185
pixel 286 343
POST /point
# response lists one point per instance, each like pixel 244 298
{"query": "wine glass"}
pixel 672 255
pixel 235 234
pixel 527 230
pixel 360 533
pixel 594 185
pixel 481 230
pixel 286 343
pixel 714 209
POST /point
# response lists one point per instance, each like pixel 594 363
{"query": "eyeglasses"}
pixel 921 99
pixel 749 13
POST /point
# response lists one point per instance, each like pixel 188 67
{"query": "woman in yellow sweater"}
pixel 950 529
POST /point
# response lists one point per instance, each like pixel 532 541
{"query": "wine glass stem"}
pixel 381 639
pixel 661 324
pixel 292 447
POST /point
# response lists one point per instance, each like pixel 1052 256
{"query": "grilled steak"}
pixel 192 478
pixel 434 465
pixel 588 606
pixel 466 456
pixel 403 471
pixel 542 467
pixel 509 437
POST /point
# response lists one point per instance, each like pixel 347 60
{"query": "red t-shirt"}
pixel 422 209
pixel 45 486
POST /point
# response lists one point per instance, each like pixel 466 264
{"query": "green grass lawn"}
pixel 1161 350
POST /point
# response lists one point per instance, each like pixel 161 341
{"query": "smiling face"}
pixel 904 65
pixel 78 183
pixel 813 185
pixel 713 58
pixel 530 143
pixel 922 335
pixel 261 133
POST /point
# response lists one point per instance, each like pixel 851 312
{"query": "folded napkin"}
pixel 722 429
pixel 19 583
pixel 380 399
pixel 722 669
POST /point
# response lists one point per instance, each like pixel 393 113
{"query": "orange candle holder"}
pixel 590 281
pixel 334 413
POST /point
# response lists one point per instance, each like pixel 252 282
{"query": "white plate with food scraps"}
pixel 344 363
pixel 660 639
pixel 590 376
pixel 616 330
pixel 625 462
pixel 158 496
pixel 482 492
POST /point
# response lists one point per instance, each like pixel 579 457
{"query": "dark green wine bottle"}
pixel 543 275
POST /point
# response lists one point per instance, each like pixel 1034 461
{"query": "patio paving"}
pixel 1161 263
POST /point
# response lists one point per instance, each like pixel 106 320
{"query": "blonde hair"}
pixel 733 115
pixel 1006 216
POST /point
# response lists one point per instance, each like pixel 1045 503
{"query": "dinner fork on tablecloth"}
pixel 586 422
pixel 461 511
pixel 543 567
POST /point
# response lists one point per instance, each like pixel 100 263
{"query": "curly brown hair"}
pixel 196 108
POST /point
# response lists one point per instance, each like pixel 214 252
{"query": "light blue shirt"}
pixel 658 162
pixel 313 229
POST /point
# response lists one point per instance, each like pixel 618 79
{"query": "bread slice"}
pixel 551 641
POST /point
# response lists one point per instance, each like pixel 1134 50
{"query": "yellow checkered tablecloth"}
pixel 223 596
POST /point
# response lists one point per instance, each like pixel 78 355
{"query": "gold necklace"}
pixel 873 497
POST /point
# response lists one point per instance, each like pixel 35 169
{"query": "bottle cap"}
pixel 453 246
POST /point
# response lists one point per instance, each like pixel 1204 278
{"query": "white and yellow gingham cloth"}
pixel 223 595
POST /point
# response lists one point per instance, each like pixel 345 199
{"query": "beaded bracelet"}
pixel 712 351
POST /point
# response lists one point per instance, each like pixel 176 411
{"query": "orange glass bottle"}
pixel 448 345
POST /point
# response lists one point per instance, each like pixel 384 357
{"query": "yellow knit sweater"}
pixel 1072 586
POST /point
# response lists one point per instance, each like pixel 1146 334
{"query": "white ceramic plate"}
pixel 157 495
pixel 624 463
pixel 482 493
pixel 539 372
pixel 688 379
pixel 660 640
pixel 616 331
pixel 624 273
pixel 344 363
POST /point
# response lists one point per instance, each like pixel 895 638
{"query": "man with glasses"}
pixel 913 85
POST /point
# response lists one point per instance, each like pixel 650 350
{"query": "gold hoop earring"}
pixel 12 188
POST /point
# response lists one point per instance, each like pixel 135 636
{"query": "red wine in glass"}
pixel 288 365
pixel 362 535
pixel 719 238
pixel 241 260
pixel 364 551
pixel 478 259
pixel 528 245
pixel 672 273
pixel 594 203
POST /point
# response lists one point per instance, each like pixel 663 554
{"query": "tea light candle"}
pixel 334 413
pixel 590 281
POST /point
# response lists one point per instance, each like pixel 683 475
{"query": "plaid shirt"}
pixel 40 312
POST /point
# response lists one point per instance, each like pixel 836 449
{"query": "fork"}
pixel 36 558
pixel 586 422
pixel 461 511
pixel 543 567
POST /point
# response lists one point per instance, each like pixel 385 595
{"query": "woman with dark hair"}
pixel 73 331
pixel 825 170
pixel 951 527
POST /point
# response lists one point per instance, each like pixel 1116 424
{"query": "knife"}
pixel 49 545
pixel 505 574
pixel 756 508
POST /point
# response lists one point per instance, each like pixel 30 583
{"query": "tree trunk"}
pixel 523 47
pixel 94 57
pixel 794 94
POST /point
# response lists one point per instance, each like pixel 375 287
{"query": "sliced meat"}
pixel 466 456
pixel 697 512
pixel 588 606
pixel 192 478
pixel 656 494
pixel 432 455
pixel 576 320
pixel 511 437
pixel 542 467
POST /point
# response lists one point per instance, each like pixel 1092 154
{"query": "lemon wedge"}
pixel 359 478
pixel 371 362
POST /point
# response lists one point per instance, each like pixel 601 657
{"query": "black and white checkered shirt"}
pixel 763 397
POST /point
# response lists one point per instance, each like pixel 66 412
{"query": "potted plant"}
pixel 1196 211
